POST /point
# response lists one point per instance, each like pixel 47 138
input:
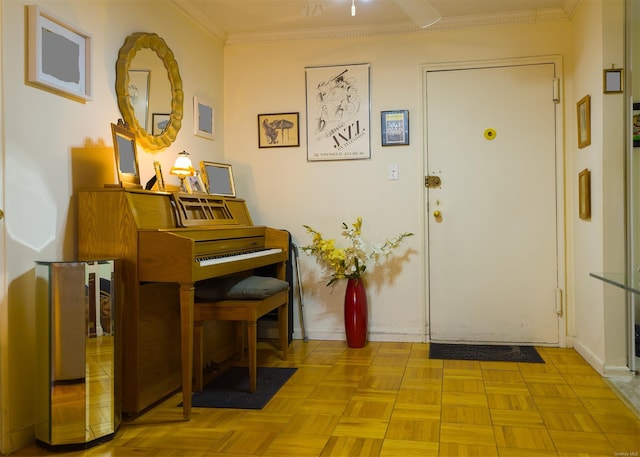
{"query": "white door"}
pixel 493 246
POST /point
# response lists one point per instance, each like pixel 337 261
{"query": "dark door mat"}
pixel 484 352
pixel 231 388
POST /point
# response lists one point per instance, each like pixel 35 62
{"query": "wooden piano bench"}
pixel 244 300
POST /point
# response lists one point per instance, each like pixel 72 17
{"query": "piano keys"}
pixel 166 243
pixel 234 257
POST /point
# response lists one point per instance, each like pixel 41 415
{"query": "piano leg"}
pixel 252 336
pixel 186 337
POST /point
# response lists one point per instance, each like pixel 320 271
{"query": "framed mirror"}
pixel 128 92
pixel 218 178
pixel 124 146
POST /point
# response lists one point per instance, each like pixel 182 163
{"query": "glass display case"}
pixel 76 405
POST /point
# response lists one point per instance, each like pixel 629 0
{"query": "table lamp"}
pixel 183 168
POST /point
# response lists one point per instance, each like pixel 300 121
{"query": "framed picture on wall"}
pixel 338 112
pixel 395 127
pixel 278 130
pixel 584 194
pixel 584 121
pixel 636 125
pixel 613 80
pixel 59 55
pixel 202 118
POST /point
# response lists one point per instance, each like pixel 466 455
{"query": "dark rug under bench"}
pixel 231 388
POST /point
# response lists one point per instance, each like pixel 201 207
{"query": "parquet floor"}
pixel 389 399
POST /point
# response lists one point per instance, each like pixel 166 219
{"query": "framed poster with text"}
pixel 338 112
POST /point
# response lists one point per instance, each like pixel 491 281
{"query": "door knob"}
pixel 437 214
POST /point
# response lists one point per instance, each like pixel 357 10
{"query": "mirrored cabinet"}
pixel 76 404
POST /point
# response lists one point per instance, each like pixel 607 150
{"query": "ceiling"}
pixel 242 20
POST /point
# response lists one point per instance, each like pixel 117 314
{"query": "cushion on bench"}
pixel 232 288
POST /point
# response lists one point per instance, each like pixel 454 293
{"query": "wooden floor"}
pixel 389 399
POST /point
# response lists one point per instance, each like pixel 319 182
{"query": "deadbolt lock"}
pixel 432 181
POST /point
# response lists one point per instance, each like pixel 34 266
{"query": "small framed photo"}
pixel 159 122
pixel 613 80
pixel 218 178
pixel 126 155
pixel 584 121
pixel 59 55
pixel 395 127
pixel 159 177
pixel 279 130
pixel 194 184
pixel 202 118
pixel 584 192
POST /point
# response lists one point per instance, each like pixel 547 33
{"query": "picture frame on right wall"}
pixel 584 194
pixel 636 125
pixel 584 121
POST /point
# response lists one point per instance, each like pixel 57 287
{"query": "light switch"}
pixel 393 171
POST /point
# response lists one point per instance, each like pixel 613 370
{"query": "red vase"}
pixel 355 313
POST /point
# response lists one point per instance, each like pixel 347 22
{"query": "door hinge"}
pixel 432 181
pixel 556 90
pixel 559 302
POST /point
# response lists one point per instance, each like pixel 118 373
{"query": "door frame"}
pixel 4 310
pixel 561 209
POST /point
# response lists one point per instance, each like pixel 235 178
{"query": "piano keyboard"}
pixel 215 260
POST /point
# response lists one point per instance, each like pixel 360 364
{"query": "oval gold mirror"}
pixel 157 136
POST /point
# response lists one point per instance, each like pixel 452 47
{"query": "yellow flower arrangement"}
pixel 349 262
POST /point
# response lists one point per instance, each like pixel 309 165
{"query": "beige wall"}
pixel 42 134
pixel 598 245
pixel 285 190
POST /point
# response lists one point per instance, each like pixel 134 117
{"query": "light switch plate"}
pixel 393 171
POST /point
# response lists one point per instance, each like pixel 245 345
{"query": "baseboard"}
pixel 615 371
pixel 591 358
pixel 338 335
pixel 397 337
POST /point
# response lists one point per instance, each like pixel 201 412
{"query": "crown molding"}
pixel 196 16
pixel 516 17
pixel 327 33
pixel 451 23
pixel 570 7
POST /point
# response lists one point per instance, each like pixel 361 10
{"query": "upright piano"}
pixel 165 242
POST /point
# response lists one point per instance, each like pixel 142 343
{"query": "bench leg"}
pixel 252 337
pixel 239 348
